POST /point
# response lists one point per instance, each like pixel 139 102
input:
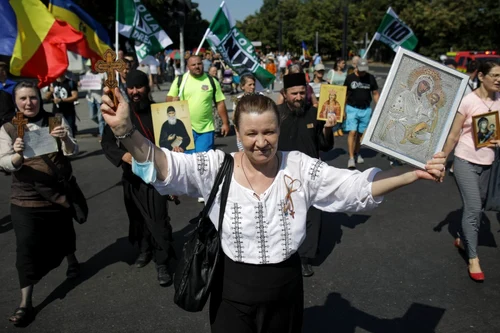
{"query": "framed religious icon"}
pixel 485 128
pixel 331 100
pixel 416 109
pixel 172 125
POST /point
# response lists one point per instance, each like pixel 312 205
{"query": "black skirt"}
pixel 44 236
pixel 258 298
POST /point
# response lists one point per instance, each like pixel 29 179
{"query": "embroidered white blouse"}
pixel 261 231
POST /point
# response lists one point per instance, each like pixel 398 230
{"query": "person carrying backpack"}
pixel 200 90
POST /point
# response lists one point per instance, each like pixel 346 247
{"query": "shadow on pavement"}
pixel 105 190
pixel 331 231
pixel 84 154
pixel 5 224
pixel 339 316
pixel 119 251
pixel 332 154
pixel 453 220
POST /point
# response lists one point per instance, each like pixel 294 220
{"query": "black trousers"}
pixel 310 246
pixel 258 298
pixel 44 236
pixel 149 221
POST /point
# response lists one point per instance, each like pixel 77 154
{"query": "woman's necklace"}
pixel 482 100
pixel 243 168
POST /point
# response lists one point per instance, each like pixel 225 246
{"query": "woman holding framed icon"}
pixel 471 135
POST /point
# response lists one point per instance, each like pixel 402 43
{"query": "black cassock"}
pixel 305 134
pixel 169 133
pixel 146 208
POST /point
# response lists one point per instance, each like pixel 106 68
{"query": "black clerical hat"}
pixel 137 79
pixel 294 80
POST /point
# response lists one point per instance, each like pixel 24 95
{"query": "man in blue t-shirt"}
pixel 361 88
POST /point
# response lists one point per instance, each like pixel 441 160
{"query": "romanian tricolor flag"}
pixel 97 37
pixel 35 40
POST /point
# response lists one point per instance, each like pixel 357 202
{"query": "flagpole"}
pixel 369 46
pixel 202 41
pixel 117 40
pixel 206 33
pixel 181 89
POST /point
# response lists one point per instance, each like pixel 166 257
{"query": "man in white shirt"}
pixel 282 60
pixel 145 68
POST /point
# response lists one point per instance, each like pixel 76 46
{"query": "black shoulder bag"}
pixel 201 253
pixel 72 191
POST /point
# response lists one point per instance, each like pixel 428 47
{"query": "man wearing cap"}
pixel 147 210
pixel 361 88
pixel 7 107
pixel 300 130
pixel 173 134
pixel 201 91
pixel 319 72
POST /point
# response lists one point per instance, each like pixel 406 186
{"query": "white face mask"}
pixel 145 170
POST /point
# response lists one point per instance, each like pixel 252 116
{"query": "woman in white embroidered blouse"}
pixel 265 217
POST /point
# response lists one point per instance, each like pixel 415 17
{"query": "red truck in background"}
pixel 464 57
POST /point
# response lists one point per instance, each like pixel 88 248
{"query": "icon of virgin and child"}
pixel 414 112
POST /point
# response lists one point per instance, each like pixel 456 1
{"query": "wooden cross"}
pixel 110 65
pixel 20 121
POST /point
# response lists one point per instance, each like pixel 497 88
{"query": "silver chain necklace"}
pixel 489 108
pixel 244 173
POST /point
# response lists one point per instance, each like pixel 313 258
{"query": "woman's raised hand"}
pixel 117 117
pixel 434 169
pixel 18 146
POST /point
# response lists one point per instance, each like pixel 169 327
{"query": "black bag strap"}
pixel 224 194
pixel 224 174
pixel 54 167
pixel 214 88
pixel 212 83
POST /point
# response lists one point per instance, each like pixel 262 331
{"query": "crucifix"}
pixel 20 121
pixel 110 65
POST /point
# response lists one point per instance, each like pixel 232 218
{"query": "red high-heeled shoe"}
pixel 458 244
pixel 477 277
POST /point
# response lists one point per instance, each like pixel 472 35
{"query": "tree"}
pixel 440 25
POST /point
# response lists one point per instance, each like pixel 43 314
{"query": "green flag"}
pixel 135 22
pixel 237 51
pixel 393 32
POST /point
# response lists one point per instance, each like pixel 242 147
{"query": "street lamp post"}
pixel 344 36
pixel 280 32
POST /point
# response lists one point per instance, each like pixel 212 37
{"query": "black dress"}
pixel 41 218
pixel 305 134
pixel 147 210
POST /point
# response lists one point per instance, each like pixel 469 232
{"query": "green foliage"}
pixel 440 25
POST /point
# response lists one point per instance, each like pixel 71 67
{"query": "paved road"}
pixel 390 270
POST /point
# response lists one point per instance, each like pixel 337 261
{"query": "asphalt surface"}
pixel 390 270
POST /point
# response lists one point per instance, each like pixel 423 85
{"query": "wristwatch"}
pixel 126 135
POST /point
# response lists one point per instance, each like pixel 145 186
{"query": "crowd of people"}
pixel 272 222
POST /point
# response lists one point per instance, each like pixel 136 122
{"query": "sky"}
pixel 239 9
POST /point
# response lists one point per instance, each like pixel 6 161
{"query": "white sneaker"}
pixel 360 159
pixel 201 200
pixel 351 164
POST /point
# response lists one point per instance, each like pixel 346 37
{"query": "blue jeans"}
pixel 96 115
pixel 202 142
